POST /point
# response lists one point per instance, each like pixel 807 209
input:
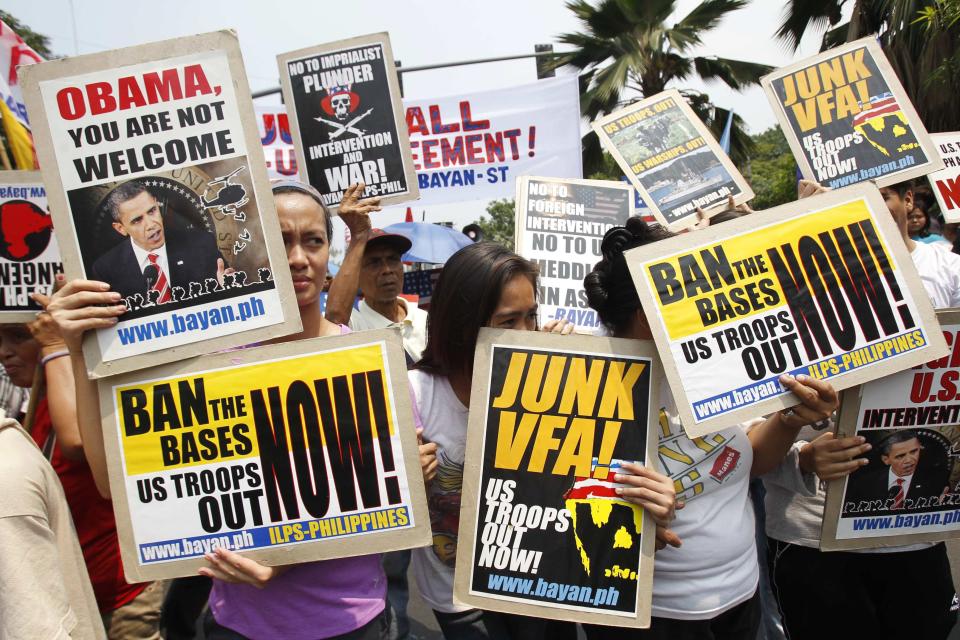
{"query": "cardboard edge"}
pixel 473 471
pixel 936 346
pixel 396 100
pixel 745 191
pixel 833 505
pixel 416 536
pixel 895 86
pixel 226 43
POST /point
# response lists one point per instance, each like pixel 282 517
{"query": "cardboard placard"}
pixel 29 257
pixel 823 287
pixel 347 119
pixel 848 119
pixel 672 159
pixel 560 225
pixel 285 453
pixel 920 410
pixel 153 151
pixel 542 531
pixel 946 182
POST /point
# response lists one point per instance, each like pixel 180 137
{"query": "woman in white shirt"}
pixel 481 285
pixel 705 581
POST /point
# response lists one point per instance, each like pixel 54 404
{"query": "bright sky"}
pixel 422 32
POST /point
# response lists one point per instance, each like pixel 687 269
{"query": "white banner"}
pixel 274 127
pixel 475 146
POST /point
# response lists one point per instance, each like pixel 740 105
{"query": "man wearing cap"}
pixel 373 264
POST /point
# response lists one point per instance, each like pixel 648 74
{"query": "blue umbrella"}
pixel 432 243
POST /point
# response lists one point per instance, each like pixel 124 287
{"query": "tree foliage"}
pixel 626 50
pixel 37 41
pixel 499 227
pixel 772 171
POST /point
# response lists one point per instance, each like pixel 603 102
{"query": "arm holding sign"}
pixel 832 458
pixel 656 494
pixel 61 398
pixel 355 213
pixel 773 438
pixel 82 305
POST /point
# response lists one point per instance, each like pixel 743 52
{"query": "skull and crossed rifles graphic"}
pixel 340 128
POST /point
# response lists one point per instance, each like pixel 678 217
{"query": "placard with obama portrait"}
pixel 157 186
pixel 848 119
pixel 823 287
pixel 347 119
pixel 909 489
pixel 285 453
pixel 542 530
pixel 29 257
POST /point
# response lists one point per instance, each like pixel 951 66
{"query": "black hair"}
pixel 725 216
pixel 609 288
pixel 465 297
pixel 897 437
pixel 292 188
pixel 902 187
pixel 126 191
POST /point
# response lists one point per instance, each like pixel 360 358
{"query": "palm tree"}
pixel 627 50
pixel 920 38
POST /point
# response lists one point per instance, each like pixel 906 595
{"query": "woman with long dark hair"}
pixel 705 582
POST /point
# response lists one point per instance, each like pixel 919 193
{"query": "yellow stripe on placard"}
pixel 714 284
pixel 207 417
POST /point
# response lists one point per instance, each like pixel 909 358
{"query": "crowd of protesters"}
pixel 60 570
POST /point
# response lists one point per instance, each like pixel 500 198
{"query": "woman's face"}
pixel 19 353
pixel 517 308
pixel 304 230
pixel 915 221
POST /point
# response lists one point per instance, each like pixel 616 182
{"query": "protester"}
pixel 45 591
pixel 705 581
pixel 481 285
pixel 129 610
pixel 373 262
pixel 918 227
pixel 880 584
pixel 341 598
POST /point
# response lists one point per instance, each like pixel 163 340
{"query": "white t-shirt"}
pixel 940 273
pixel 716 567
pixel 445 422
pixel 413 328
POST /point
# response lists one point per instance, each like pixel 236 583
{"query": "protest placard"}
pixel 848 119
pixel 347 119
pixel 278 151
pixel 672 159
pixel 474 146
pixel 822 287
pixel 946 182
pixel 559 225
pixel 157 186
pixel 29 257
pixel 542 530
pixel 285 453
pixel 908 491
